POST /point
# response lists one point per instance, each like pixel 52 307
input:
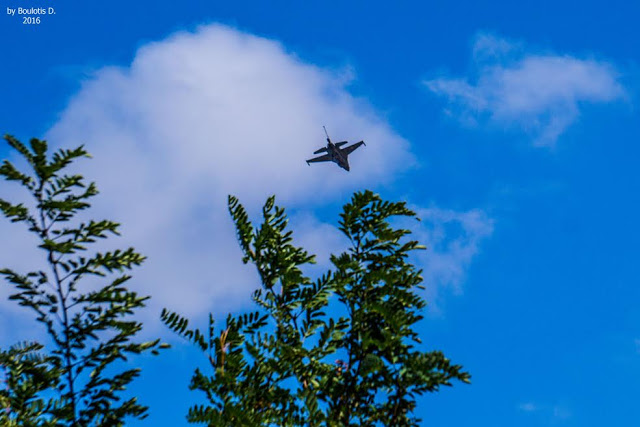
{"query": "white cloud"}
pixel 319 238
pixel 537 93
pixel 201 115
pixel 551 413
pixel 452 239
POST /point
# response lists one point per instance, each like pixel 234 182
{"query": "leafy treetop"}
pixel 89 331
pixel 294 361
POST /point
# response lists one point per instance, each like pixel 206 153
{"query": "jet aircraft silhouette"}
pixel 335 153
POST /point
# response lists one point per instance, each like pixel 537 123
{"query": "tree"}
pixel 27 375
pixel 78 381
pixel 296 360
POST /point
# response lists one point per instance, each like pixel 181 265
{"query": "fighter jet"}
pixel 335 153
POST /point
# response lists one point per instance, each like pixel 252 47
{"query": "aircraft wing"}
pixel 350 149
pixel 325 158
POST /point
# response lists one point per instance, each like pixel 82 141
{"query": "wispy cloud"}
pixel 537 93
pixel 551 413
pixel 528 407
pixel 453 239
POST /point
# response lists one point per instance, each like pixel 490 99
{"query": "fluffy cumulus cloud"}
pixel 538 93
pixel 209 113
pixel 201 115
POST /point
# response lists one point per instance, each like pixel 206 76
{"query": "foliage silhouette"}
pixel 294 361
pixel 78 381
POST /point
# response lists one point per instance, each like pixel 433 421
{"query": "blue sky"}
pixel 511 127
